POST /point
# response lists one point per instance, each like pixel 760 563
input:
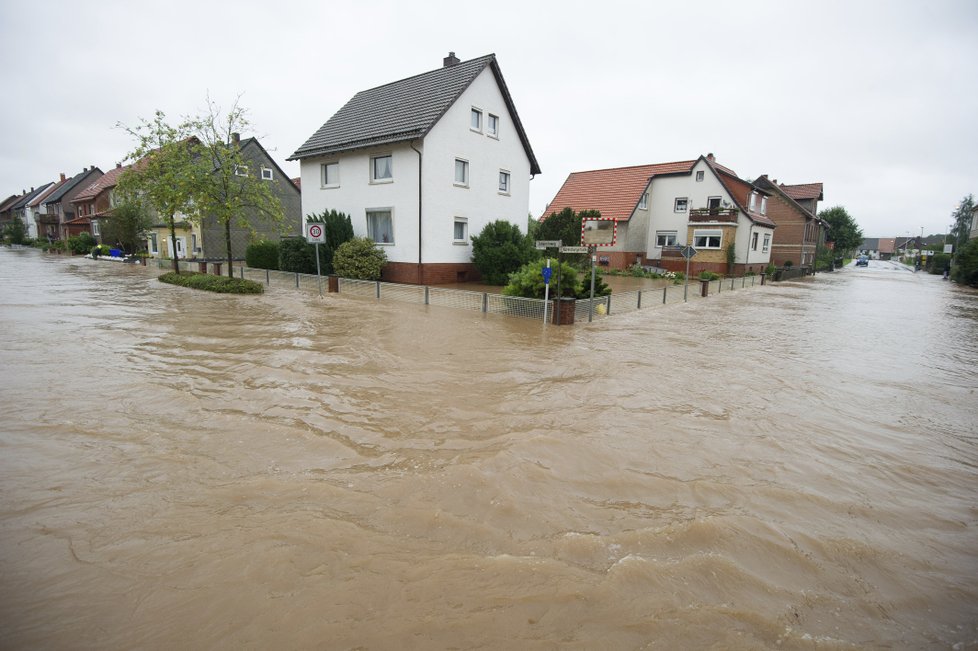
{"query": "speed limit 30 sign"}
pixel 315 234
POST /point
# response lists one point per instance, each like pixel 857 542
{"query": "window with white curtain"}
pixel 461 172
pixel 380 226
pixel 382 168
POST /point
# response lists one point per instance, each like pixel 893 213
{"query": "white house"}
pixel 421 164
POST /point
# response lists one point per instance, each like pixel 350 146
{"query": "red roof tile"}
pixel 803 191
pixel 613 192
pixel 104 182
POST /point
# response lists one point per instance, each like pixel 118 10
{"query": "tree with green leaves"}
pixel 126 225
pixel 166 172
pixel 338 229
pixel 566 227
pixel 843 231
pixel 232 192
pixel 15 232
pixel 499 250
pixel 961 228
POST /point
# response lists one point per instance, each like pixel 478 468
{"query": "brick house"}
pixel 95 202
pixel 421 164
pixel 800 231
pixel 57 209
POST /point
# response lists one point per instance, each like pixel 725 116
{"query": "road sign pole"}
pixel 686 286
pixel 560 263
pixel 590 310
pixel 546 291
pixel 319 278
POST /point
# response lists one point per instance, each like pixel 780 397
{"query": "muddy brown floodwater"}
pixel 785 467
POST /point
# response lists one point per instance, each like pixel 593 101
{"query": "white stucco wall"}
pixel 662 199
pixel 450 138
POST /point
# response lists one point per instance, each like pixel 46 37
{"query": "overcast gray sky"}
pixel 877 100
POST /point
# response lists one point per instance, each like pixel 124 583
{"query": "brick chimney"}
pixel 118 165
pixel 450 60
pixel 235 138
pixel 710 158
pixel 62 177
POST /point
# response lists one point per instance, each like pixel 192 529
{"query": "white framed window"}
pixel 380 225
pixel 382 169
pixel 266 173
pixel 461 231
pixel 767 242
pixel 461 172
pixel 492 125
pixel 643 203
pixel 703 239
pixel 681 204
pixel 665 238
pixel 753 242
pixel 193 243
pixel 331 175
pixel 699 176
pixel 504 181
pixel 95 231
pixel 475 120
pixel 752 202
pixel 763 205
pixel 154 245
pixel 241 170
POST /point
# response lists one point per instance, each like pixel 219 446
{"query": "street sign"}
pixel 548 244
pixel 315 234
pixel 547 272
pixel 573 249
pixel 948 248
pixel 687 252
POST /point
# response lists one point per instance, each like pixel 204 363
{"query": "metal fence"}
pixel 585 310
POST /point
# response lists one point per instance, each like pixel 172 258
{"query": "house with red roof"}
pixel 800 231
pixel 658 208
pixel 96 201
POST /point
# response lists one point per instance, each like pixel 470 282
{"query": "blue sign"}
pixel 547 272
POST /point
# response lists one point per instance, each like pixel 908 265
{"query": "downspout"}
pixel 420 267
pixel 750 232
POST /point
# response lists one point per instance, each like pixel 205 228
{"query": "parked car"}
pixel 862 261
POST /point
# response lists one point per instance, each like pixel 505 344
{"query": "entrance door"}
pixel 181 247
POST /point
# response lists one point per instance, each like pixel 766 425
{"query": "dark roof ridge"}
pixel 488 57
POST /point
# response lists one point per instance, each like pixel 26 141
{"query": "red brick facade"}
pixel 446 273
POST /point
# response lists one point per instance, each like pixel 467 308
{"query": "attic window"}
pixel 763 205
pixel 753 201
pixel 241 170
pixel 492 126
pixel 266 174
pixel 643 203
pixel 699 176
pixel 476 120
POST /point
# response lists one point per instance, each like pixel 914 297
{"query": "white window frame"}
pixel 763 205
pixel 685 204
pixel 475 120
pixel 373 169
pixel 643 203
pixel 505 182
pixel 461 165
pixel 95 229
pixel 700 174
pixel 464 222
pixel 390 212
pixel 154 244
pixel 266 173
pixel 767 243
pixel 241 170
pixel 324 172
pixel 665 238
pixel 753 241
pixel 752 201
pixel 193 243
pixel 492 126
pixel 710 234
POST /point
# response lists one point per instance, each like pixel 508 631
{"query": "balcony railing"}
pixel 713 215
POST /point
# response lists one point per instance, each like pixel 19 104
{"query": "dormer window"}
pixel 763 205
pixel 475 121
pixel 752 204
pixel 643 203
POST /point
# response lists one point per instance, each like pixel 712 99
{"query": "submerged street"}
pixel 794 466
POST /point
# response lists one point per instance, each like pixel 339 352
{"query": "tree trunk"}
pixel 227 240
pixel 173 245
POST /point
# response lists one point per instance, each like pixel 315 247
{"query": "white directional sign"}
pixel 573 249
pixel 548 244
pixel 315 234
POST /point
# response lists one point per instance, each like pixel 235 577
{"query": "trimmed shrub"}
pixel 499 250
pixel 81 244
pixel 298 256
pixel 528 281
pixel 937 263
pixel 709 275
pixel 220 284
pixel 262 255
pixel 359 258
pixel 965 269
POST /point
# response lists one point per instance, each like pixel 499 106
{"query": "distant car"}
pixel 862 261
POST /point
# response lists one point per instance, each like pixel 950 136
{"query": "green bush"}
pixel 220 284
pixel 262 255
pixel 296 255
pixel 965 269
pixel 709 275
pixel 528 280
pixel 600 286
pixel 769 270
pixel 937 263
pixel 81 244
pixel 338 229
pixel 499 250
pixel 359 258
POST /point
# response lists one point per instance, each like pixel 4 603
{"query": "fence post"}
pixel 485 302
pixel 242 272
pixel 268 278
pixel 743 282
pixel 426 295
pixel 608 305
pixel 664 290
pixel 297 280
pixel 378 290
pixel 639 306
